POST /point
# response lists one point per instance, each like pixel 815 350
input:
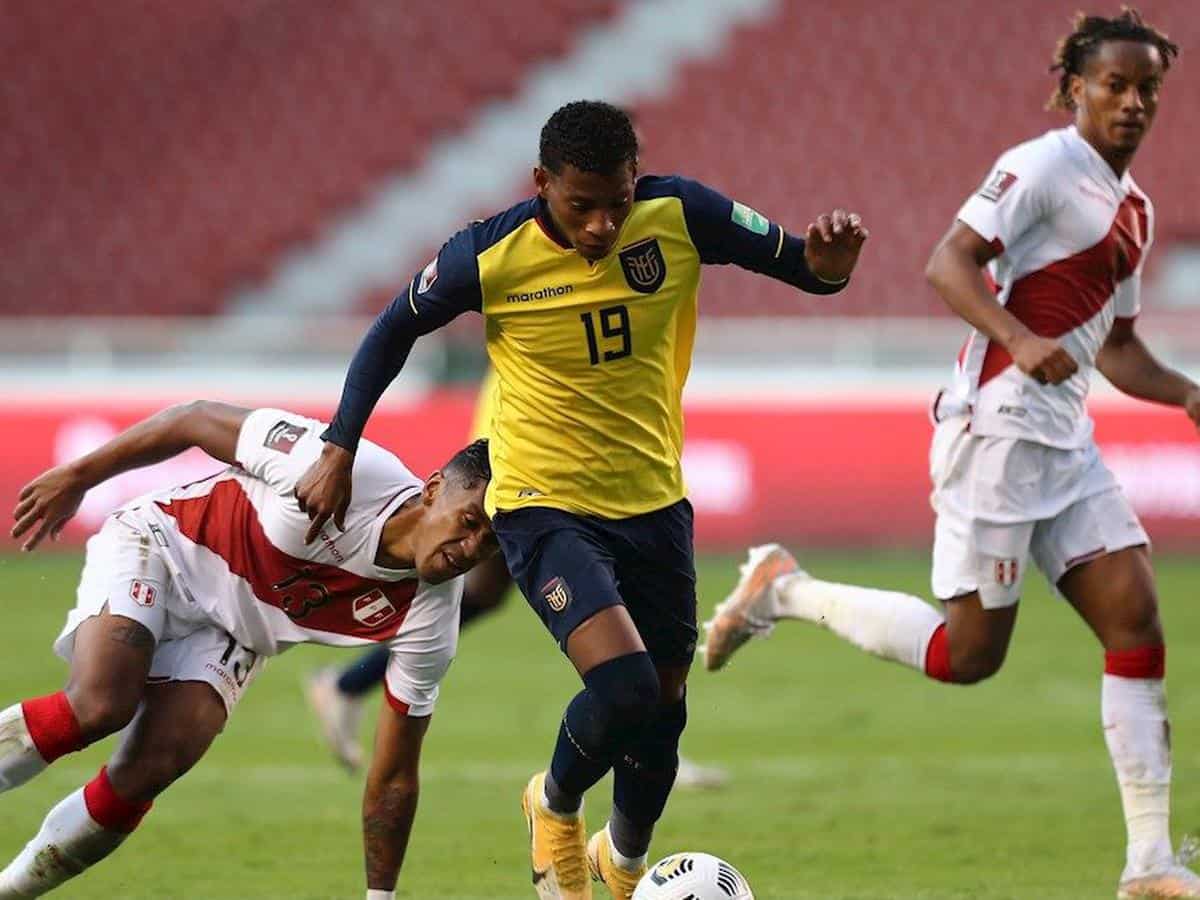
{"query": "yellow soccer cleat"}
pixel 557 853
pixel 1176 881
pixel 749 611
pixel 620 882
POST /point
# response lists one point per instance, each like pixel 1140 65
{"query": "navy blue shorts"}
pixel 570 567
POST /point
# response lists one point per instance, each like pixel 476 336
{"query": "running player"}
pixel 337 695
pixel 1063 231
pixel 588 292
pixel 185 591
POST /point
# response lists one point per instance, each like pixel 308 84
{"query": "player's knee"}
pixel 142 778
pixel 971 665
pixel 627 687
pixel 101 712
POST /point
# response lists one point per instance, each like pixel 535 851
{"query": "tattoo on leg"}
pixel 387 822
pixel 132 634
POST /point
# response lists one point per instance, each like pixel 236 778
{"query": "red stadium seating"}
pixel 158 154
pixel 897 111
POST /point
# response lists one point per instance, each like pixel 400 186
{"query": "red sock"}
pixel 937 657
pixel 108 809
pixel 52 726
pixel 1142 662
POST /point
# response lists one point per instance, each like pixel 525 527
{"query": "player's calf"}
pixel 172 732
pixel 110 660
pixel 173 729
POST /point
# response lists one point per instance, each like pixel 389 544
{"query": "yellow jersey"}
pixel 590 359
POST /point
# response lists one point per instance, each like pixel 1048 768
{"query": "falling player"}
pixel 1064 231
pixel 337 694
pixel 588 292
pixel 185 591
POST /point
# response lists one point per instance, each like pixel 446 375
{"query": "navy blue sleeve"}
pixel 726 232
pixel 449 285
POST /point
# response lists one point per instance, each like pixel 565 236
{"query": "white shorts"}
pixel 1001 500
pixel 124 569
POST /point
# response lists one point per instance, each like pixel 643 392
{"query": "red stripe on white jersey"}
pixel 1060 297
pixel 313 595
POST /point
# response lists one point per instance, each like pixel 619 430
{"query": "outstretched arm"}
pixel 1128 363
pixel 390 797
pixel 449 285
pixel 724 231
pixel 50 500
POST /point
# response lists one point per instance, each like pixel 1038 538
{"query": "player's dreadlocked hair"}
pixel 1075 49
pixel 470 465
pixel 590 135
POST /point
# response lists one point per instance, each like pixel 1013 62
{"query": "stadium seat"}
pixel 168 152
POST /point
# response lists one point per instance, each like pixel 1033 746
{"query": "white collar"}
pixel 1090 157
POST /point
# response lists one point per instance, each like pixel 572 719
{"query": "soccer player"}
pixel 1058 235
pixel 337 695
pixel 588 292
pixel 185 591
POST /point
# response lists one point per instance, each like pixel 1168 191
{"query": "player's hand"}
pixel 1042 359
pixel 324 490
pixel 47 503
pixel 832 244
pixel 1191 405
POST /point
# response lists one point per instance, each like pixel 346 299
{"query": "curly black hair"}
pixel 591 135
pixel 470 466
pixel 1075 49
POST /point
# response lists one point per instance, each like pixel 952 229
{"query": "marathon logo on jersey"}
pixel 545 293
pixel 644 266
pixel 1007 572
pixel 283 436
pixel 996 185
pixel 143 594
pixel 428 277
pixel 372 609
pixel 557 594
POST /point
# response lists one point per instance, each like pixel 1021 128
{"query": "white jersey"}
pixel 1072 239
pixel 235 545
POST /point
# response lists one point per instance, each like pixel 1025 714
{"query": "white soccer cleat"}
pixel 1175 882
pixel 693 776
pixel 751 608
pixel 338 715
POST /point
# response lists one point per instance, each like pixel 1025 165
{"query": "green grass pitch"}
pixel 852 778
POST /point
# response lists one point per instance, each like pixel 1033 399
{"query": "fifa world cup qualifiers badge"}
pixel 283 436
pixel 557 594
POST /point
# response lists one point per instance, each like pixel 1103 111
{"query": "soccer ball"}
pixel 692 876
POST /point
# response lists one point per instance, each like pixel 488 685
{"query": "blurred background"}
pixel 214 198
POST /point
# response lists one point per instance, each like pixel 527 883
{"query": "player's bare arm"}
pixel 390 797
pixel 832 244
pixel 324 490
pixel 1127 362
pixel 50 500
pixel 956 272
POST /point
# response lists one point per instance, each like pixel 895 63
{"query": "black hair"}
pixel 591 135
pixel 470 466
pixel 1075 49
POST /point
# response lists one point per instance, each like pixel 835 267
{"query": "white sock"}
pixel 1134 713
pixel 620 860
pixel 888 624
pixel 68 842
pixel 19 758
